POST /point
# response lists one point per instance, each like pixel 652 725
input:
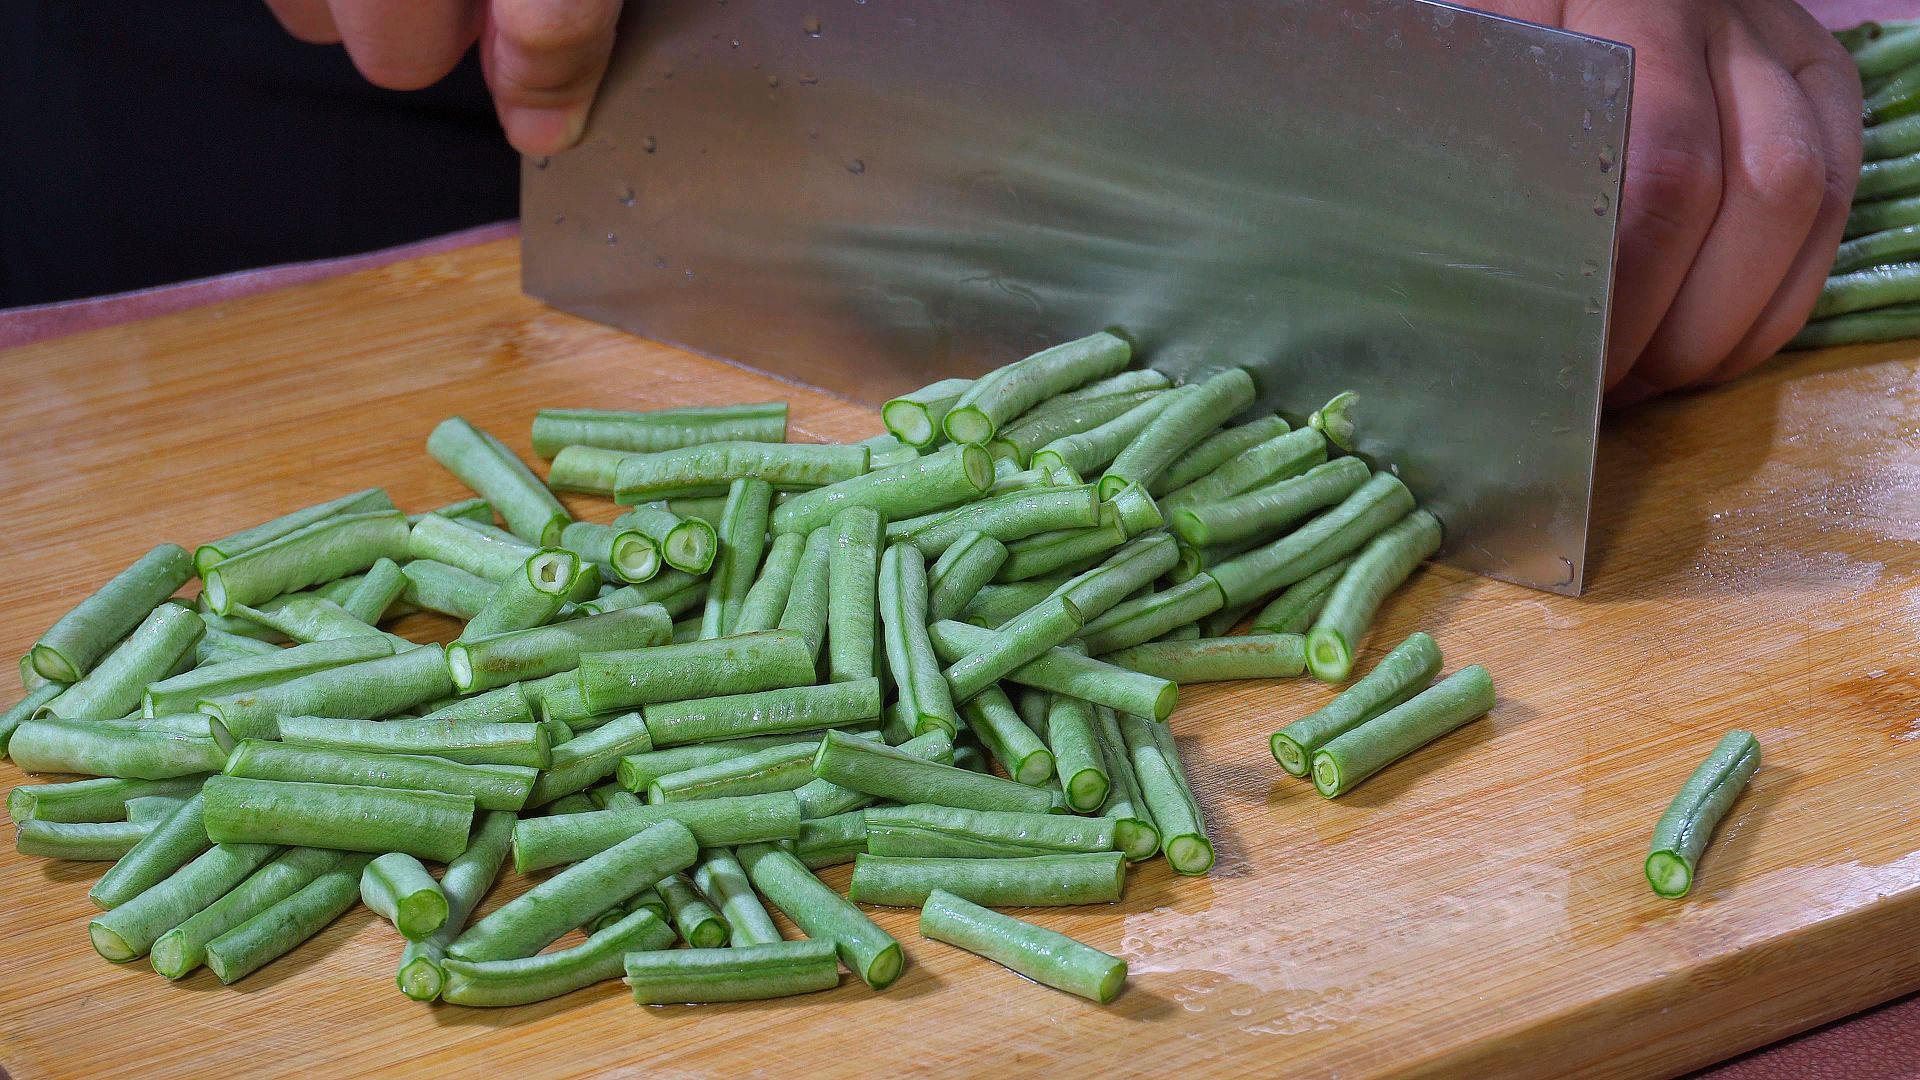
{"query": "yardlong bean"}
pixel 823 914
pixel 589 757
pixel 492 787
pixel 467 879
pixel 71 646
pixel 1045 956
pixel 1063 671
pixel 1293 611
pixel 1241 656
pixel 999 396
pixel 1377 570
pixel 959 573
pixel 928 831
pixel 686 544
pixel 1276 459
pixel 1096 447
pixel 1263 512
pixel 129 930
pixel 550 841
pixel 1163 786
pixel 1684 829
pixel 1012 516
pixel 97 748
pixel 159 647
pixel 947 478
pixel 548 650
pixel 397 888
pixel 82 841
pixel 915 418
pixel 366 690
pixel 430 824
pixel 710 468
pixel 889 773
pixel 180 950
pixel 1030 881
pixel 483 463
pixel 1012 743
pixel 750 972
pixel 1078 762
pixel 658 429
pixel 103 799
pixel 910 659
pixel 521 981
pixel 747 663
pixel 743 533
pixel 768 712
pixel 279 929
pixel 327 549
pixel 1216 450
pixel 1322 541
pixel 1350 758
pixel 1178 429
pixel 767 598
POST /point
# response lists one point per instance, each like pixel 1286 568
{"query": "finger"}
pixel 1831 82
pixel 406 46
pixel 1670 189
pixel 308 20
pixel 544 60
pixel 1774 179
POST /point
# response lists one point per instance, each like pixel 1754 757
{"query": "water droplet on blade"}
pixel 856 166
pixel 627 197
pixel 1601 204
pixel 542 162
pixel 648 144
pixel 811 25
pixel 612 239
pixel 1589 268
pixel 1609 157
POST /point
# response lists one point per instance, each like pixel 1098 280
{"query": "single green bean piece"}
pixel 1063 549
pixel 631 554
pixel 322 551
pixel 743 664
pixel 217 646
pixel 1243 656
pixel 910 658
pixel 1010 517
pixel 1895 322
pixel 611 796
pixel 1216 450
pixel 449 590
pixel 180 950
pixel 1377 570
pixel 1350 758
pixel 1031 881
pixel 548 650
pixel 209 555
pixel 430 824
pixel 889 773
pixel 1045 956
pixel 1875 249
pixel 768 712
pixel 550 841
pixel 129 930
pixel 1129 569
pixel 1008 738
pixel 94 748
pixel 1683 831
pixel 153 809
pixel 777 768
pixel 948 478
pixel 1264 512
pixel 638 771
pixel 695 920
pixel 485 464
pixel 995 604
pixel 104 799
pixel 236 676
pixel 1880 215
pixel 364 691
pixel 885 451
pixel 1889 53
pixel 1874 287
pixel 374 594
pixel 486 554
pixel 523 980
pixel 806 608
pixel 1078 762
pixel 307 618
pixel 590 757
pixel 159 647
pixel 853 573
pixel 71 646
pixel 830 841
pixel 474 509
pixel 170 845
pixel 1335 419
pixel 658 429
pixel 824 915
pixel 750 972
pixel 710 468
pixel 1057 419
pixel 492 787
pixel 1319 543
pixel 767 598
pixel 1186 420
pixel 1063 671
pixel 589 470
pixel 281 928
pixel 566 805
pixel 81 841
pixel 824 798
pixel 510 704
pixel 1299 604
pixel 1096 447
pixel 742 529
pixel 723 881
pixel 998 397
pixel 960 573
pixel 467 879
pixel 1134 831
pixel 1168 796
pixel 1124 382
pixel 1137 621
pixel 536 918
pixel 1024 639
pixel 928 831
pixel 471 742
pixel 916 418
pixel 686 544
pixel 1276 459
pixel 398 889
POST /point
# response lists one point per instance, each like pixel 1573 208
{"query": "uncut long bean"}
pixel 924 830
pixel 1352 757
pixel 1163 786
pixel 1892 323
pixel 824 915
pixel 430 824
pixel 71 646
pixel 159 647
pixel 465 882
pixel 1377 570
pixel 1682 833
pixel 1241 656
pixel 1874 287
pixel 551 841
pixel 1029 881
pixel 279 929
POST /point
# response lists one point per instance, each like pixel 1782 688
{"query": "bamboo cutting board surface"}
pixel 1476 908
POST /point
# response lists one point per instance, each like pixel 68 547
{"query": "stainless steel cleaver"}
pixel 1412 200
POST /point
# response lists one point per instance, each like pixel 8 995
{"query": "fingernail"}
pixel 536 132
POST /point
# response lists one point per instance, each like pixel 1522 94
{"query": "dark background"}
pixel 149 141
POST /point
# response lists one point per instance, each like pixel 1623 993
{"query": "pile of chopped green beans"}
pixel 946 655
pixel 1873 289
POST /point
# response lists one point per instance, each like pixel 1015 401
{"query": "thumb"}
pixel 543 62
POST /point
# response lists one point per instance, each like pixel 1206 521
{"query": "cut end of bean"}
pixel 885 967
pixel 169 957
pixel 908 422
pixel 691 547
pixel 421 979
pixel 979 466
pixel 1086 790
pixel 420 915
pixel 1163 704
pixel 1669 875
pixel 1110 486
pixel 1136 839
pixel 53 666
pixel 460 666
pixel 1035 769
pixel 1191 855
pixel 1288 753
pixel 1111 982
pixel 635 558
pixel 1329 656
pixel 969 426
pixel 108 943
pixel 1326 774
pixel 214 584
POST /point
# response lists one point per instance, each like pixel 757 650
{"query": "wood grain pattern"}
pixel 1477 908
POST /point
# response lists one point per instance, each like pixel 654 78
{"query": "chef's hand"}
pixel 543 59
pixel 1743 154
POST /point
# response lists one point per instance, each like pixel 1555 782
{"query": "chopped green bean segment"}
pixel 910 657
pixel 853 628
pixel 322 551
pixel 471 742
pixel 1688 823
pixel 743 533
pixel 153 808
pixel 747 663
pixel 695 920
pixel 1078 762
pixel 1185 421
pixel 924 830
pixel 539 651
pixel 104 799
pixel 129 930
pixel 467 879
pixel 1163 786
pixel 1264 512
pixel 97 748
pixel 430 824
pixel 1377 570
pixel 1045 956
pixel 889 773
pixel 492 787
pixel 1242 656
pixel 590 756
pixel 723 881
pixel 1137 621
pixel 768 712
pixel 159 647
pixel 483 463
pixel 1096 447
pixel 181 692
pixel 710 468
pixel 364 691
pixel 824 915
pixel 832 840
pixel 1062 549
pixel 1063 671
pixel 374 594
pixel 397 888
pixel 1216 450
pixel 940 480
pixel 686 544
pixel 1319 543
pixel 449 590
pixel 474 509
pixel 638 771
pixel 1293 611
pixel 1008 738
pixel 824 798
pixel 1276 459
pixel 767 598
pixel 1013 516
pixel 70 647
pixel 589 470
pixel 1134 831
pixel 750 972
pixel 180 950
pixel 998 397
pixel 1024 639
pixel 806 608
pixel 1350 758
pixel 658 429
pixel 915 418
pixel 209 555
pixel 83 841
pixel 279 929
pixel 960 573
pixel 1030 881
pixel 524 980
pixel 776 768
pixel 1060 418
pixel 550 841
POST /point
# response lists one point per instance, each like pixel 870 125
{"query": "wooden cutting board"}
pixel 1477 908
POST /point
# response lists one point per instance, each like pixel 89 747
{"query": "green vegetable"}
pixel 1168 796
pixel 658 429
pixel 1683 831
pixel 1046 957
pixel 1242 656
pixel 1032 881
pixel 711 468
pixel 430 824
pixel 915 418
pixel 999 396
pixel 484 464
pixel 401 891
pixel 550 841
pixel 823 914
pixel 467 879
pixel 1352 757
pixel 71 646
pixel 1377 570
pixel 276 931
pixel 910 659
pixel 923 830
pixel 524 980
pixel 182 949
